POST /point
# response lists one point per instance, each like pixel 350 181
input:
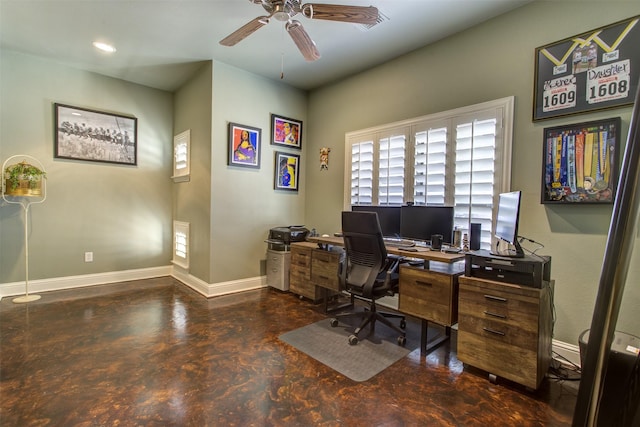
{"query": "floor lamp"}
pixel 25 200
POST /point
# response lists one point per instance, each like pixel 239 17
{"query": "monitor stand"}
pixel 509 253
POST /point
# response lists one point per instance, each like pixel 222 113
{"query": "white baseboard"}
pixel 568 353
pixel 71 282
pixel 217 289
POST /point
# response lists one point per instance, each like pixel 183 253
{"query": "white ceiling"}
pixel 160 43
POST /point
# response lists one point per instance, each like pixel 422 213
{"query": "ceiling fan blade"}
pixel 302 40
pixel 337 12
pixel 245 31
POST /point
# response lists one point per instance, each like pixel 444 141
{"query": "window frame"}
pixel 503 111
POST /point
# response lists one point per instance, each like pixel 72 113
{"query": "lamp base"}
pixel 26 298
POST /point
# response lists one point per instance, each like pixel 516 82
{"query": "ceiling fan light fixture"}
pixel 104 47
pixel 280 13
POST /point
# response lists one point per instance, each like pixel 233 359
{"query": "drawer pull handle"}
pixel 323 277
pixel 500 316
pixel 419 282
pixel 493 331
pixel 494 298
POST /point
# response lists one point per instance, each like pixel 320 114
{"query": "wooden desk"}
pixel 423 253
pixel 429 293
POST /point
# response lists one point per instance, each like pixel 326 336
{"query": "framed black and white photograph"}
pixel 83 134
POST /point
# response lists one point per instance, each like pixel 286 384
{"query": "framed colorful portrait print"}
pixel 287 171
pixel 244 146
pixel 286 132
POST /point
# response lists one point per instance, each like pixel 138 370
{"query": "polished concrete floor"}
pixel 155 353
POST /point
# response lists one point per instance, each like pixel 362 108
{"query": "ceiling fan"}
pixel 285 10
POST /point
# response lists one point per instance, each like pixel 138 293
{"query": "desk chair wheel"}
pixel 334 323
pixel 402 341
pixel 353 340
pixel 403 324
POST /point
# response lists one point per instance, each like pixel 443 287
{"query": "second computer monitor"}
pixel 422 222
pixel 388 216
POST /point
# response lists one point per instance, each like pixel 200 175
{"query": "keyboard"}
pixel 398 242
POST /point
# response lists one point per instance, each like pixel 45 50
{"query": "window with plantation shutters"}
pixel 459 158
pixel 181 156
pixel 361 182
pixel 391 170
pixel 181 244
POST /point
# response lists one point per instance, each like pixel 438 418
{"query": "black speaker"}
pixel 620 395
pixel 474 238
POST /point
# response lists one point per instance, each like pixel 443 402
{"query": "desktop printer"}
pixel 281 237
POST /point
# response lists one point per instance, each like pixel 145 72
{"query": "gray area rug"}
pixel 359 362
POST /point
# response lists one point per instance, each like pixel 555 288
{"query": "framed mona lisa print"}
pixel 244 146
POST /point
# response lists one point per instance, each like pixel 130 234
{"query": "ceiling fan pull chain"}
pixel 282 53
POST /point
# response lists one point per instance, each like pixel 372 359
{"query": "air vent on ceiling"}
pixel 381 18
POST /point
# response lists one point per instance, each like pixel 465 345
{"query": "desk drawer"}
pixel 502 359
pixel 498 309
pixel 428 295
pixel 324 269
pixel 301 257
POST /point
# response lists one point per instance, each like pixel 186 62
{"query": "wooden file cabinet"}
pixel 505 329
pixel 324 269
pixel 430 294
pixel 300 282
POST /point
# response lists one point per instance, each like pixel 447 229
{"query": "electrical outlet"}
pixel 88 257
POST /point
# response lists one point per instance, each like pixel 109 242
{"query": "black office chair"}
pixel 367 272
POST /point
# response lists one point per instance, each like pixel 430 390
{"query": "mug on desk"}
pixel 436 241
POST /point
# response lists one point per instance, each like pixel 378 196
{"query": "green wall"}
pixel 490 61
pixel 192 199
pixel 244 204
pixel 120 213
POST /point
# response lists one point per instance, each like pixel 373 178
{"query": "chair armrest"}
pixel 393 263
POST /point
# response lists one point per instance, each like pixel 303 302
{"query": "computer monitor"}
pixel 388 216
pixel 507 224
pixel 421 222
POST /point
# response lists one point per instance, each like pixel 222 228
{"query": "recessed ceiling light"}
pixel 104 47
